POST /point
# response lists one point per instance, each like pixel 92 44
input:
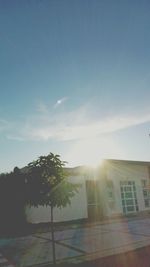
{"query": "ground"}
pixel 119 243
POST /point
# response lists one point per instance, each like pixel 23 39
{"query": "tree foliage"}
pixel 47 182
pixel 12 200
pixel 43 182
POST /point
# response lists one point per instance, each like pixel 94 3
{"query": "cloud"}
pixel 74 125
pixel 4 125
pixel 60 101
pixel 42 107
pixel 15 138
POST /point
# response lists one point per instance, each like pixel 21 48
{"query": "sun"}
pixel 86 152
pixel 96 164
pixel 92 151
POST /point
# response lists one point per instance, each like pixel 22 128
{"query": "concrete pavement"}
pixel 4 262
pixel 79 244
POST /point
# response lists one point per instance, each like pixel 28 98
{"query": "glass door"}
pixel 128 197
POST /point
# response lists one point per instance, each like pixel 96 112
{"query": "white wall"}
pixel 77 209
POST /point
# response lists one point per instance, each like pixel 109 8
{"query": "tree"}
pixel 47 184
pixel 12 201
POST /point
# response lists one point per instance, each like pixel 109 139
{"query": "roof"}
pixel 79 170
pixel 145 163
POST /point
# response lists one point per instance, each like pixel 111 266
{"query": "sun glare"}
pixel 89 152
pixel 95 164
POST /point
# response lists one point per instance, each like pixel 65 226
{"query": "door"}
pixel 129 197
pixel 93 200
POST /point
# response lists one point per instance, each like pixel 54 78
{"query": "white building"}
pixel 115 188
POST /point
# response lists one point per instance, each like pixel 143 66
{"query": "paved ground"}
pixel 77 245
pixel 4 262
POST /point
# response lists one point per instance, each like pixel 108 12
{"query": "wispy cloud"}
pixel 4 125
pixel 60 101
pixel 15 138
pixel 41 107
pixel 73 125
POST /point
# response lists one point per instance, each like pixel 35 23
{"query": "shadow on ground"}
pixel 137 258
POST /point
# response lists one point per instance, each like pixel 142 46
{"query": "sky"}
pixel 74 80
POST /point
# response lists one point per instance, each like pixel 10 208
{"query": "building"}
pixel 116 188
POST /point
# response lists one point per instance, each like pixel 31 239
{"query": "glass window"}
pixel 129 202
pixel 128 195
pixel 145 193
pixel 123 202
pixel 130 208
pixel 147 203
pixel 128 188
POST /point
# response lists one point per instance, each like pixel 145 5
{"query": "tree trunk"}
pixel 53 237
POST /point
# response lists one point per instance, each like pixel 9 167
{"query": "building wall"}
pixel 77 209
pixel 108 179
pixel 117 172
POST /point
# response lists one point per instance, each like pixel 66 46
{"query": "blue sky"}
pixel 74 80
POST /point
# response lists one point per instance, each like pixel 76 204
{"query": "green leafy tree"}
pixel 47 184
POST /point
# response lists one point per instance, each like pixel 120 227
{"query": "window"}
pixel 110 190
pixel 128 195
pixel 129 202
pixel 130 208
pixel 146 193
pixel 128 188
pixel 123 202
pixel 147 203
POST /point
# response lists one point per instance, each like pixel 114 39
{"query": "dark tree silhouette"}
pixel 12 201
